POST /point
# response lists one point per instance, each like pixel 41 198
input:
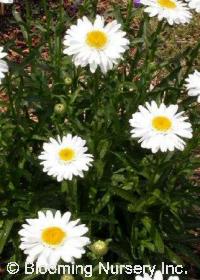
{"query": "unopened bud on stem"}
pixel 67 277
pixel 99 248
pixel 59 108
pixel 68 81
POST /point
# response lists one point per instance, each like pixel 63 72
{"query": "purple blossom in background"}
pixel 76 5
pixel 137 3
pixel 73 8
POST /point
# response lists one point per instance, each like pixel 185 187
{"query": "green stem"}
pixel 70 188
pixel 48 24
pixel 28 22
pixel 94 5
pixel 129 13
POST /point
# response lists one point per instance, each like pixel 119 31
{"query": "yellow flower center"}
pixel 167 4
pixel 53 236
pixel 66 154
pixel 161 123
pixel 96 39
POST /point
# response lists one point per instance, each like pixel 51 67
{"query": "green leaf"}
pixel 4 233
pixel 22 25
pixel 103 148
pixel 103 202
pixel 173 256
pixel 159 242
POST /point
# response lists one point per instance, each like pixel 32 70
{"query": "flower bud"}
pixel 59 108
pixel 152 66
pixel 68 81
pixel 67 277
pixel 99 248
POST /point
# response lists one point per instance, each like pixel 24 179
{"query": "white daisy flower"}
pixel 193 84
pixel 3 64
pixel 194 4
pixel 160 127
pixel 6 1
pixel 174 11
pixel 157 276
pixel 95 43
pixel 66 157
pixel 49 238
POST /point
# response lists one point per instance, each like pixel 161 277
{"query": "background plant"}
pixel 145 205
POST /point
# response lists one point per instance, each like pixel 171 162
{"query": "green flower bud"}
pixel 59 109
pixel 152 66
pixel 68 81
pixel 99 248
pixel 67 277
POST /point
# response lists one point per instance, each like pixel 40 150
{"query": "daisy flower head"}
pixel 95 44
pixel 157 276
pixel 3 64
pixel 193 84
pixel 194 4
pixel 174 11
pixel 65 157
pixel 49 238
pixel 160 127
